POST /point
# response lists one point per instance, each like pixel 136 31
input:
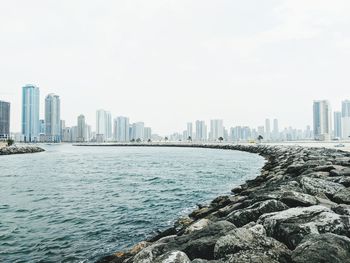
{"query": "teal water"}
pixel 76 204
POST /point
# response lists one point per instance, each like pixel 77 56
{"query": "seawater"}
pixel 77 204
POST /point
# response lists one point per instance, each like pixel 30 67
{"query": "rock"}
pixel 322 248
pixel 202 212
pixel 199 260
pixel 257 228
pixel 344 180
pixel 197 226
pixel 294 199
pixel 137 248
pixel 251 256
pixel 14 149
pixel 340 171
pixel 173 257
pixel 292 225
pixel 243 216
pixel 150 253
pixel 201 243
pixel 315 186
pixel 242 239
pixel 342 209
pixel 343 196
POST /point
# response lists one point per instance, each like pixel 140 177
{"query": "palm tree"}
pixel 10 142
pixel 138 140
pixel 260 138
pixel 189 138
pixel 149 140
pixel 166 139
pixel 221 139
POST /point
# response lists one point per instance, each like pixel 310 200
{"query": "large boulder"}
pixel 251 256
pixel 201 243
pixel 343 196
pixel 316 186
pixel 327 247
pixel 243 216
pixel 294 199
pixel 243 239
pixel 292 225
pixel 173 257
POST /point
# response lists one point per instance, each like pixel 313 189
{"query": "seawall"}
pixel 297 210
pixel 14 149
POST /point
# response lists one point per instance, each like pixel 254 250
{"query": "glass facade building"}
pixel 30 113
pixel 4 120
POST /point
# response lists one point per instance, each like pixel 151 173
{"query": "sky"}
pixel 169 62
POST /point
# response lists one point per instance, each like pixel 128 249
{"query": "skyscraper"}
pixel 122 129
pixel 30 113
pixel 108 125
pixel 138 130
pixel 104 124
pixel 189 130
pixel 4 120
pixel 337 124
pixel 81 129
pixel 267 129
pixel 275 130
pixel 345 122
pixel 201 131
pixel 53 118
pixel 216 129
pixel 322 120
pixel 147 134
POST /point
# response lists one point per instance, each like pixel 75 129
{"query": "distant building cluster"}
pixel 53 129
pixel 327 125
pixel 322 119
pixel 218 132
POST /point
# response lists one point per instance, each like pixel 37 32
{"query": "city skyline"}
pixel 152 60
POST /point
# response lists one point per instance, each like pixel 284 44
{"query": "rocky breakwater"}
pixel 14 149
pixel 297 210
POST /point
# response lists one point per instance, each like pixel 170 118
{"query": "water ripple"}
pixel 74 204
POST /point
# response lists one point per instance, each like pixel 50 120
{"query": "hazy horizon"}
pixel 167 63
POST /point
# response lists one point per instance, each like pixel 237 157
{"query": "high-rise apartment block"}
pixel 4 120
pixel 322 120
pixel 53 118
pixel 30 113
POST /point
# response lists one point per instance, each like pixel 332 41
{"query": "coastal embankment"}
pixel 297 210
pixel 22 149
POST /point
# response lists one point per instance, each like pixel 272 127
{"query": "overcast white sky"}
pixel 167 62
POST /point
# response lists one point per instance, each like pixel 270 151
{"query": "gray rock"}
pixel 342 209
pixel 322 248
pixel 315 186
pixel 292 225
pixel 340 171
pixel 173 257
pixel 201 243
pixel 251 256
pixel 243 216
pixel 242 239
pixel 343 196
pixel 294 199
pixel 198 225
pixel 150 253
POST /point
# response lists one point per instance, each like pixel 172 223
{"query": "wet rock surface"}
pixel 297 210
pixel 14 149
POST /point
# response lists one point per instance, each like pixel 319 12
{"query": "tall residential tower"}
pixel 4 120
pixel 30 113
pixel 322 120
pixel 52 118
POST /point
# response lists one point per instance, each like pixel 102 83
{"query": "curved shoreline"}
pixel 297 210
pixel 14 149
